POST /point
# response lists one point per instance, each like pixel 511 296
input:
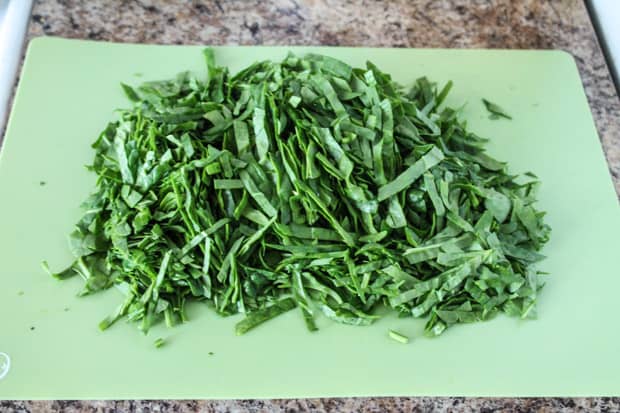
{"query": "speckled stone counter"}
pixel 534 24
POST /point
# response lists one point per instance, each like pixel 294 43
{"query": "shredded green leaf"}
pixel 396 336
pixel 304 184
pixel 495 111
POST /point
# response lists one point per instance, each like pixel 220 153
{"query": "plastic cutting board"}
pixel 67 93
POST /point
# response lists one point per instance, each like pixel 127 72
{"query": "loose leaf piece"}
pixel 305 184
pixel 396 336
pixel 495 111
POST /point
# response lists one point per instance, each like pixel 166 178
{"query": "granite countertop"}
pixel 519 24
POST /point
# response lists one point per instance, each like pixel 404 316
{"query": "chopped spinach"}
pixel 396 336
pixel 305 184
pixel 495 111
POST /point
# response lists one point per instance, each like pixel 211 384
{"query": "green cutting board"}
pixel 67 93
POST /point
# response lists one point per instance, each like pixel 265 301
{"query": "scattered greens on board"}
pixel 495 111
pixel 395 335
pixel 304 184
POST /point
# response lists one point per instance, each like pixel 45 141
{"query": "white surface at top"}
pixel 14 16
pixel 608 15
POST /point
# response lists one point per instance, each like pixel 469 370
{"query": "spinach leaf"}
pixel 495 111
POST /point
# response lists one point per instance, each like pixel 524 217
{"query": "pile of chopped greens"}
pixel 304 184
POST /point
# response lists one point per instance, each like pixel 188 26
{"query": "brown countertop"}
pixel 519 24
